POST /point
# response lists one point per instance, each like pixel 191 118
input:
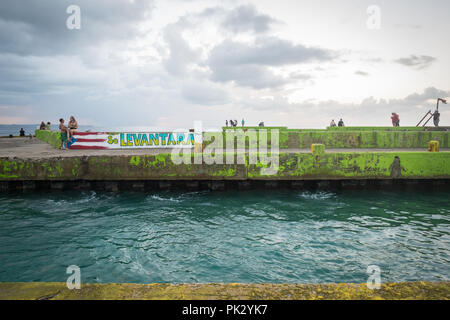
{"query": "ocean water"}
pixel 251 236
pixel 14 129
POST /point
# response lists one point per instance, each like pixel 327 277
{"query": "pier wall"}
pixel 51 137
pixel 377 138
pixel 390 138
pixel 292 166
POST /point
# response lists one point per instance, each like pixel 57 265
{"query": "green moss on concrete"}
pixel 296 166
pixel 334 137
pixel 352 138
pixel 51 137
pixel 372 139
pixel 229 291
pixel 134 161
pixel 358 165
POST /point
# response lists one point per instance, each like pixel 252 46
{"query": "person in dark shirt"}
pixel 436 116
pixel 341 123
pixel 22 132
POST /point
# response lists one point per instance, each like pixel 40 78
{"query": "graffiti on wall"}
pixel 131 140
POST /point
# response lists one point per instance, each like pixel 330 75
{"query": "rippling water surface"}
pixel 254 236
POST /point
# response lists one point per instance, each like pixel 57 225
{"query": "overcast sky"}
pixel 167 63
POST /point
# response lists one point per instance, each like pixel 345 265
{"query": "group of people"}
pixel 234 123
pixel 67 132
pixel 67 137
pixel 44 126
pixel 395 120
pixel 340 123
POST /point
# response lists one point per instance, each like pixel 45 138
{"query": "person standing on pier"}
pixel 226 123
pixel 395 119
pixel 436 118
pixel 65 134
pixel 243 122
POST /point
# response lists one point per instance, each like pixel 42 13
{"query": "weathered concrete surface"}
pixel 332 138
pixel 158 291
pixel 34 148
pixel 292 166
pixel 26 148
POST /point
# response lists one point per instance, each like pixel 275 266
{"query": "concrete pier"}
pixel 27 164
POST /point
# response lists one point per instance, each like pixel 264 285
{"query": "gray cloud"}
pixel 204 94
pixel 268 51
pixel 44 65
pixel 254 76
pixel 31 27
pixel 418 62
pixel 248 64
pixel 181 54
pixel 246 19
pixel 241 19
pixel 417 99
pixel 300 76
pixel 369 111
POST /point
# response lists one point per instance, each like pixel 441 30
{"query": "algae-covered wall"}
pixel 292 166
pixel 51 137
pixel 381 139
pixel 373 139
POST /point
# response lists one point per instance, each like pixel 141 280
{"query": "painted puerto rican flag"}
pixel 89 140
pixel 131 140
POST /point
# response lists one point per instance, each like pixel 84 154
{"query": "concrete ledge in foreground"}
pixel 219 291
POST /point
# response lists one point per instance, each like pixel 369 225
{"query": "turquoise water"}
pixel 252 236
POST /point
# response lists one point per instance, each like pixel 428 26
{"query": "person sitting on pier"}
pixel 42 126
pixel 332 124
pixel 341 123
pixel 65 134
pixel 73 125
pixel 395 119
pixel 22 132
pixel 48 126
